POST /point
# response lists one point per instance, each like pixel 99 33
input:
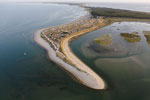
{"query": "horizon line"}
pixel 71 2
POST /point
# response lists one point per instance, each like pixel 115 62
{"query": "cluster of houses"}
pixel 55 34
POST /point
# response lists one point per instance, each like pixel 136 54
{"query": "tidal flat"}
pixel 124 65
pixel 127 41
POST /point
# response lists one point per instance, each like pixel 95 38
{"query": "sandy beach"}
pixel 86 77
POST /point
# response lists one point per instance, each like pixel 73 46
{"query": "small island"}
pixel 147 36
pixel 131 37
pixel 104 40
pixel 56 41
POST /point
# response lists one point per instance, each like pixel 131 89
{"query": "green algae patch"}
pixel 147 36
pixel 104 40
pixel 131 37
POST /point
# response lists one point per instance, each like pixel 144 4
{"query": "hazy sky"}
pixel 75 0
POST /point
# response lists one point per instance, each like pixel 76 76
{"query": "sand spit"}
pixel 80 71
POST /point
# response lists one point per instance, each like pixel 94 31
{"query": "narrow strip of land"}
pixel 77 62
pixel 56 41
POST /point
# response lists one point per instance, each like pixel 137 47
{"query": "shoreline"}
pixel 63 56
pixel 92 80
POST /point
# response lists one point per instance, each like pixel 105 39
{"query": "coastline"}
pixel 70 62
pixel 92 80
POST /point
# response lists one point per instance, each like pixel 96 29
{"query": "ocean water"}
pixel 26 73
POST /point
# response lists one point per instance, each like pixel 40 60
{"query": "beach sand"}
pixel 85 77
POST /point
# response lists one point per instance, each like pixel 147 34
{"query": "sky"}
pixel 76 1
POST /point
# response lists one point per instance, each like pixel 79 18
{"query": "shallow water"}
pixel 26 73
pixel 126 74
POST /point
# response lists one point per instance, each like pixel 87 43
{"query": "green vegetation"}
pixel 109 12
pixel 147 36
pixel 131 37
pixel 104 40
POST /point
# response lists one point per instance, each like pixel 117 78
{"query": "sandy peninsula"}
pixel 62 55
